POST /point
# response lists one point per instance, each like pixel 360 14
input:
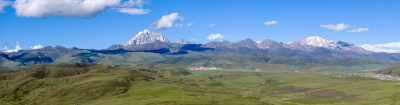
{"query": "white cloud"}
pixel 211 25
pixel 358 30
pixel 189 24
pixel 17 48
pixel 214 36
pixel 393 47
pixel 4 3
pixel 166 21
pixel 66 8
pixel 75 8
pixel 128 7
pixel 271 22
pixel 133 11
pixel 337 27
pixel 39 46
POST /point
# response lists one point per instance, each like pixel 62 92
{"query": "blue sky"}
pixel 234 20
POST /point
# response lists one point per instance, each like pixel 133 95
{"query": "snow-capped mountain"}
pixel 310 43
pixel 147 40
pixel 317 41
pixel 146 37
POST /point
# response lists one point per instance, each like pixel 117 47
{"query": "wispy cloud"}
pixel 4 3
pixel 358 30
pixel 337 27
pixel 189 24
pixel 214 36
pixel 211 25
pixel 393 47
pixel 166 21
pixel 133 11
pixel 271 22
pixel 133 7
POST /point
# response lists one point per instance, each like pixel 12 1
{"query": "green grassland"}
pixel 96 84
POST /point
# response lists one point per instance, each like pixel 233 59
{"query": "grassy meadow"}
pixel 95 84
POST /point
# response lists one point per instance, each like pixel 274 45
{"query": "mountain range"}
pixel 154 47
pixel 147 40
pixel 313 46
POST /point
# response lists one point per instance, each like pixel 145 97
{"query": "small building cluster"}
pixel 369 75
pixel 380 76
pixel 204 68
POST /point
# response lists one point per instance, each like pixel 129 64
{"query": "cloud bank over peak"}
pixel 214 36
pixel 39 46
pixel 17 48
pixel 393 47
pixel 166 21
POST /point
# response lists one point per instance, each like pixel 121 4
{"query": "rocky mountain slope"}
pixel 313 42
pixel 146 37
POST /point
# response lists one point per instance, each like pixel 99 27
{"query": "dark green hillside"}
pixel 6 63
pixel 32 58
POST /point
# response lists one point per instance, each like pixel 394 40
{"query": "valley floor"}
pixel 104 85
pixel 249 88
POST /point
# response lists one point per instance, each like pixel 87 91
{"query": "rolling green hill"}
pixel 69 83
pixel 97 84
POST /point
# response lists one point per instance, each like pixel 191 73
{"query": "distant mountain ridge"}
pixel 312 50
pixel 147 40
pixel 310 43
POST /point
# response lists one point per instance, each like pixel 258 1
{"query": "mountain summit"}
pixel 146 37
pixel 313 42
pixel 317 41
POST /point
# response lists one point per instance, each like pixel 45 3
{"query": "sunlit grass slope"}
pixel 94 84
